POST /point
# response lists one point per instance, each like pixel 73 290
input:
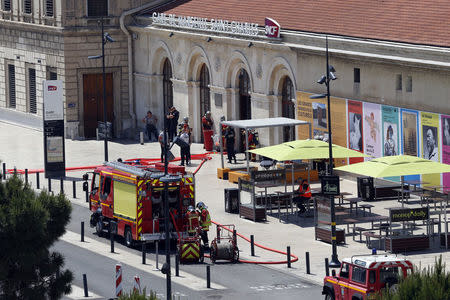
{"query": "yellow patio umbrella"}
pixel 305 149
pixel 397 165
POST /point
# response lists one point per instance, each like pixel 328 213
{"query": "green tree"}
pixel 432 283
pixel 30 223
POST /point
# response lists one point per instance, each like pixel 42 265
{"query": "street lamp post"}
pixel 105 38
pixel 334 263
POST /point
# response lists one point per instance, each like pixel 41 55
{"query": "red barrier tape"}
pixel 295 258
pixel 142 161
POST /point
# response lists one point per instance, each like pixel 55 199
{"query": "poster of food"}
pixel 445 120
pixel 315 112
pixel 430 143
pixel 389 116
pixel 355 132
pixel 410 135
pixel 372 130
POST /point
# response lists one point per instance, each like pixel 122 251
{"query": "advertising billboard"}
pixel 410 135
pixel 390 130
pixel 445 121
pixel 430 143
pixel 372 129
pixel 355 132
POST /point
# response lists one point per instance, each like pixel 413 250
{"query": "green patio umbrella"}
pixel 398 165
pixel 305 149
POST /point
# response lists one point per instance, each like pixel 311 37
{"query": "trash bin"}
pixel 366 189
pixel 231 200
pixel 207 139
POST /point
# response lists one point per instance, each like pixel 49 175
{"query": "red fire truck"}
pixel 363 276
pixel 132 197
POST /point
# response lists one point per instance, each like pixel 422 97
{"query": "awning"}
pixel 267 122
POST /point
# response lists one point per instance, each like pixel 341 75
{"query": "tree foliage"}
pixel 432 283
pixel 30 223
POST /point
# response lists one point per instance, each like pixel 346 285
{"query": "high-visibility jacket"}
pixel 193 221
pixel 304 190
pixel 205 219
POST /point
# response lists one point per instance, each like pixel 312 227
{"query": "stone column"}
pixel 155 101
pixel 193 111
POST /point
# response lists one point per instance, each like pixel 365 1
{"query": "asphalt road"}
pixel 239 281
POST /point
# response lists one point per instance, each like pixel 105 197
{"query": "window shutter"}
pixel 6 5
pixel 32 90
pixel 12 86
pixel 53 76
pixel 49 8
pixel 27 6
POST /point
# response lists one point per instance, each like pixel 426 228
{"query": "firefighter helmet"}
pixel 186 119
pixel 201 205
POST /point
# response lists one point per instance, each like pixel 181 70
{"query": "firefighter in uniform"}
pixel 205 222
pixel 303 195
pixel 193 221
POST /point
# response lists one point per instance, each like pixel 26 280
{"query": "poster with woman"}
pixel 446 147
pixel 430 143
pixel 355 132
pixel 372 129
pixel 410 135
pixel 390 130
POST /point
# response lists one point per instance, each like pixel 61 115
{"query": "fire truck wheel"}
pixel 329 295
pixel 128 237
pixel 236 254
pixel 99 227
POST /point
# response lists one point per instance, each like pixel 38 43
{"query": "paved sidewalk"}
pixel 23 148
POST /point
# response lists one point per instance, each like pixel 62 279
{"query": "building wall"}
pixel 301 57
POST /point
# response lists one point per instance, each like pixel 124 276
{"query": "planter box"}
pixel 324 233
pixel 407 243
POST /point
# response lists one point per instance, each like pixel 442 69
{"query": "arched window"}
pixel 288 108
pixel 167 84
pixel 205 102
pixel 245 111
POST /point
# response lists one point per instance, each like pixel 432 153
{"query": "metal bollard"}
pixel 49 184
pixel 87 196
pixel 218 234
pixel 74 188
pixel 177 264
pixel 82 231
pixel 157 250
pixel 26 176
pixel 252 245
pixel 15 171
pixel 37 180
pixel 288 252
pixel 61 185
pixel 308 270
pixel 144 254
pixel 141 137
pixel 111 236
pixel 234 236
pixel 4 171
pixel 208 277
pixel 85 286
pixel 327 267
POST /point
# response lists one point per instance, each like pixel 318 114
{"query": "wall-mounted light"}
pixel 250 44
pixel 209 39
pixel 171 34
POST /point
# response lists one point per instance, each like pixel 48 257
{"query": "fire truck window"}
pixel 95 183
pixel 390 274
pixel 372 276
pixel 345 270
pixel 359 274
pixel 107 186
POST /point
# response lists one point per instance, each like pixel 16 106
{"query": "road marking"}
pixel 78 293
pixel 281 286
pixel 186 279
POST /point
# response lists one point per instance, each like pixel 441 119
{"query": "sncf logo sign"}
pixel 52 88
pixel 272 28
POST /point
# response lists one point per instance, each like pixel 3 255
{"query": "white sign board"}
pixel 53 100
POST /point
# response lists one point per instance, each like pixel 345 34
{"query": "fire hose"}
pixel 295 258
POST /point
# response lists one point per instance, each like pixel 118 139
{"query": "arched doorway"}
pixel 205 100
pixel 245 109
pixel 167 84
pixel 288 108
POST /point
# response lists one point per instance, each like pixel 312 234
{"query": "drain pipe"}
pixel 132 106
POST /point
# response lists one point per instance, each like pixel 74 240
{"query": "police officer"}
pixel 230 138
pixel 205 222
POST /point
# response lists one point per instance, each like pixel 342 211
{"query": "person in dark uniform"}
pixel 172 122
pixel 230 138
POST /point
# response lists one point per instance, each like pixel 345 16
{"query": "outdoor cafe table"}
pixel 402 194
pixel 415 183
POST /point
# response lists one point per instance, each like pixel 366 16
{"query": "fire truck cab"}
pixel 132 197
pixel 363 276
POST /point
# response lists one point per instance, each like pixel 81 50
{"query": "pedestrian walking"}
pixel 150 121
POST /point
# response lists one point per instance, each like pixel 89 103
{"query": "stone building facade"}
pixel 52 39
